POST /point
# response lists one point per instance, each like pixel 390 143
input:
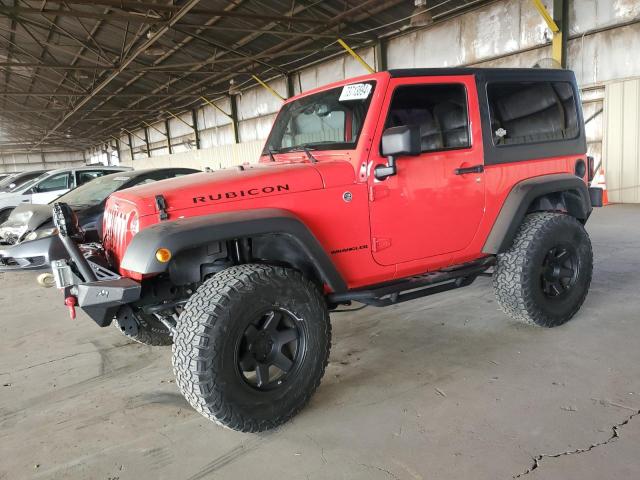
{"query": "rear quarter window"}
pixel 525 113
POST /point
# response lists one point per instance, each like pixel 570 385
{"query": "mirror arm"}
pixel 381 173
pixel 391 162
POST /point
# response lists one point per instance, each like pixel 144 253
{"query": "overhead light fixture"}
pixel 421 16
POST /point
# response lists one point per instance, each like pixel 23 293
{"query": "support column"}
pixel 291 91
pixel 130 146
pixel 234 118
pixel 380 50
pixel 561 17
pixel 166 127
pixel 194 119
pixel 146 142
pixel 118 151
pixel 559 43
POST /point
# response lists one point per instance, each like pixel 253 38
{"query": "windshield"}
pixel 330 120
pixel 95 191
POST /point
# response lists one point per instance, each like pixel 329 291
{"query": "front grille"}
pixel 117 235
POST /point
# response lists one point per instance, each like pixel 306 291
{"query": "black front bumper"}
pixel 101 298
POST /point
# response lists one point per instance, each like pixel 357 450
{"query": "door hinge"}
pixel 381 243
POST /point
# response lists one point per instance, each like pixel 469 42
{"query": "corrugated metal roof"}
pixel 75 72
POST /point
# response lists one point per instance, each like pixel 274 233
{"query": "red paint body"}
pixel 422 219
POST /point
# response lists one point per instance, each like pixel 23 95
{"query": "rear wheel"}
pixel 251 346
pixel 544 277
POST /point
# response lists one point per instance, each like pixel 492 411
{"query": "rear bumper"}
pixel 34 255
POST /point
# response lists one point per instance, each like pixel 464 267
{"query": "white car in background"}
pixel 51 185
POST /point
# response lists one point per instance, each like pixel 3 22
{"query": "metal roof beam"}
pixel 153 39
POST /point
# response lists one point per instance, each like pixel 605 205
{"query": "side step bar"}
pixel 414 287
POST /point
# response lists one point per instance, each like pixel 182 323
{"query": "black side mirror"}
pixel 396 141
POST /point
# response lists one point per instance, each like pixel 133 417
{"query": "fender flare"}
pixel 521 197
pixel 183 234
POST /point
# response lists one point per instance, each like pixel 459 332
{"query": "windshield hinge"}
pixel 161 205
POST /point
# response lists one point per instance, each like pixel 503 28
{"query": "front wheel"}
pixel 251 346
pixel 544 277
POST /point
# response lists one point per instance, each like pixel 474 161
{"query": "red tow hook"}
pixel 71 303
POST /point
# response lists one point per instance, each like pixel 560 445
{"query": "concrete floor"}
pixel 443 387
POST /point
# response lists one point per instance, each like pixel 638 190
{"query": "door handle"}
pixel 466 170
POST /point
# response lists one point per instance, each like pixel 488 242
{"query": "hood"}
pixel 229 185
pixel 23 219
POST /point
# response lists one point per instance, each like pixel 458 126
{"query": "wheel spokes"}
pixel 247 362
pixel 282 362
pixel 269 349
pixel 251 333
pixel 272 321
pixel 286 336
pixel 566 272
pixel 262 374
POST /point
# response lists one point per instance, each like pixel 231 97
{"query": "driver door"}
pixel 429 208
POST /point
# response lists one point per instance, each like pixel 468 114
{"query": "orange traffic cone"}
pixel 600 181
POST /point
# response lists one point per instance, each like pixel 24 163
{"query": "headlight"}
pixel 38 234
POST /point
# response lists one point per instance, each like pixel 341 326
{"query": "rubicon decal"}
pixel 349 249
pixel 251 192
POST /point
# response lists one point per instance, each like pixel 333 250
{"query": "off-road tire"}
pixel 211 328
pixel 150 331
pixel 517 279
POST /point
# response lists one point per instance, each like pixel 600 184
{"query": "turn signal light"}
pixel 163 255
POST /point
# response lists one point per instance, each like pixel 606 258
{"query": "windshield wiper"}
pixel 306 148
pixel 271 152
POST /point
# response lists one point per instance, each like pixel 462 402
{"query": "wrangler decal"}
pixel 240 193
pixel 349 249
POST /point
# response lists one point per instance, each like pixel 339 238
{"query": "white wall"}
pixel 622 141
pixel 19 162
pixel 215 158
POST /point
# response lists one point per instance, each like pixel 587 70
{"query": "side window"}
pixel 60 181
pixel 440 111
pixel 532 112
pixel 85 176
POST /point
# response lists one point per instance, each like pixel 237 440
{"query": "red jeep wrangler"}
pixel 378 190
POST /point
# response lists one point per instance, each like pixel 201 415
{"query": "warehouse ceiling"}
pixel 75 73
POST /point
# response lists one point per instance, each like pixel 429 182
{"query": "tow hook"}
pixel 46 280
pixel 71 303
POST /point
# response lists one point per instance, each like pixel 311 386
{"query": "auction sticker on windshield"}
pixel 355 91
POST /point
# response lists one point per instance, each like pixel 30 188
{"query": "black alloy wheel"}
pixel 271 348
pixel 560 270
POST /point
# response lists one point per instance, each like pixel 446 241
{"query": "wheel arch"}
pixel 277 236
pixel 557 192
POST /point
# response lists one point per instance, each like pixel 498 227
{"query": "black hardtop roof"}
pixel 493 73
